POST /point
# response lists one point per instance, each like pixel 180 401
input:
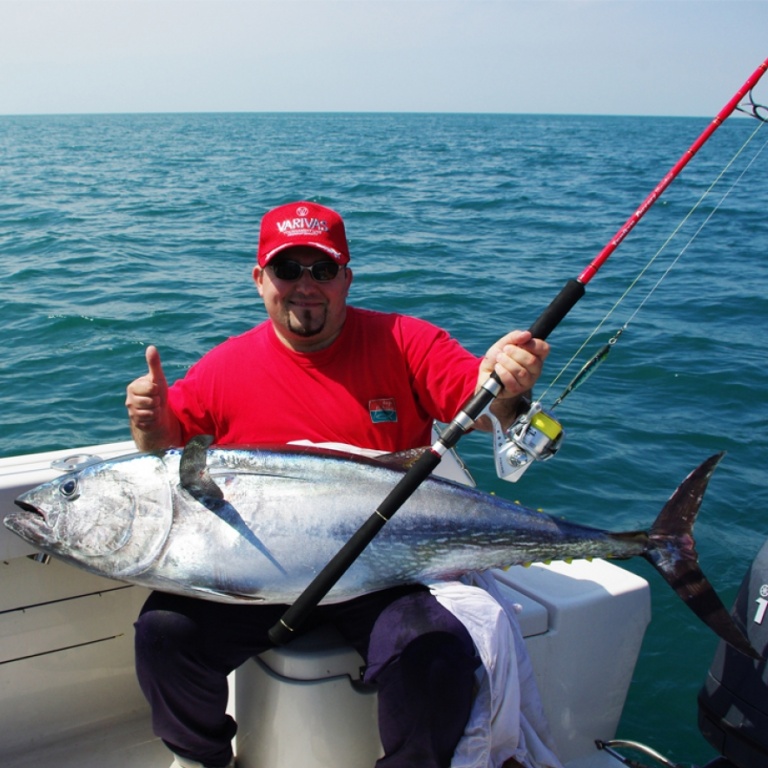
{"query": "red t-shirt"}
pixel 379 385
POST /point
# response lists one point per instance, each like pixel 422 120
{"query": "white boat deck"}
pixel 124 743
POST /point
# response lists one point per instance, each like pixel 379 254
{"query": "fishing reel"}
pixel 535 435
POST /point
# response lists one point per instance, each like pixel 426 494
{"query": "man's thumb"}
pixel 155 366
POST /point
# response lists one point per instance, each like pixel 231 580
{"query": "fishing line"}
pixel 589 367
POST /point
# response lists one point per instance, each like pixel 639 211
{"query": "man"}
pixel 322 371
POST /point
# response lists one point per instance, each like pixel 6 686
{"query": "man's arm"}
pixel 154 425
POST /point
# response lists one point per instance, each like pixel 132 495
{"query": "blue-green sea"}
pixel 118 231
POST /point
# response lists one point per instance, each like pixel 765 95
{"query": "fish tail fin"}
pixel 672 551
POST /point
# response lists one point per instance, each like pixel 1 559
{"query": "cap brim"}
pixel 332 252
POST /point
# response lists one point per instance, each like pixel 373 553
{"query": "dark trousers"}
pixel 417 653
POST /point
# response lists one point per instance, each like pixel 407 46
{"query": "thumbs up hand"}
pixel 153 425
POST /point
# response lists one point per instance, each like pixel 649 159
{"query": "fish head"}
pixel 111 518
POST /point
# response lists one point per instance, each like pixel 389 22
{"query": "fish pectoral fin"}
pixel 194 476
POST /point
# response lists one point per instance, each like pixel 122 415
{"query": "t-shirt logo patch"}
pixel 382 410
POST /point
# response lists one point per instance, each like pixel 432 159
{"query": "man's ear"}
pixel 258 278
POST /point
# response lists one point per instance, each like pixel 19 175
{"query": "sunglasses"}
pixel 321 271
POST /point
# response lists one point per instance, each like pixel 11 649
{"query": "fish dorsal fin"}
pixel 194 476
pixel 402 459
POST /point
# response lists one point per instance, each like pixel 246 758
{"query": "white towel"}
pixel 507 718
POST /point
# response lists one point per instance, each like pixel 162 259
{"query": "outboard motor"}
pixel 733 703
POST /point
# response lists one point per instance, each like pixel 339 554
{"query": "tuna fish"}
pixel 255 525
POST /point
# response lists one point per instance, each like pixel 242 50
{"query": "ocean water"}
pixel 123 230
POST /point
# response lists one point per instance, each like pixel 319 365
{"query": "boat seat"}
pixel 317 655
pixel 297 704
pixel 312 687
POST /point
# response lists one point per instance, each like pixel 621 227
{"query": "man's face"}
pixel 307 314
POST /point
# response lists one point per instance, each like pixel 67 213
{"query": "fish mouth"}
pixel 31 525
pixel 27 507
pixel 34 515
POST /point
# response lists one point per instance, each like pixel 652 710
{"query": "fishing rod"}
pixel 463 422
pixel 536 435
pixel 589 367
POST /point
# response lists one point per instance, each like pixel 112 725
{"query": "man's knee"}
pixel 407 620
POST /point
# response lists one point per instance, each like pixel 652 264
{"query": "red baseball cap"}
pixel 302 223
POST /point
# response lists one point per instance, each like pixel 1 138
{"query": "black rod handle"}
pixel 308 600
pixel 560 306
pixel 322 584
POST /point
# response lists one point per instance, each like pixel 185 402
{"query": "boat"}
pixel 70 699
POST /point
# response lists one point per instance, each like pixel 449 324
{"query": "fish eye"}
pixel 69 489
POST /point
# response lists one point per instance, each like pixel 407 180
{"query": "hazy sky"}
pixel 653 57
